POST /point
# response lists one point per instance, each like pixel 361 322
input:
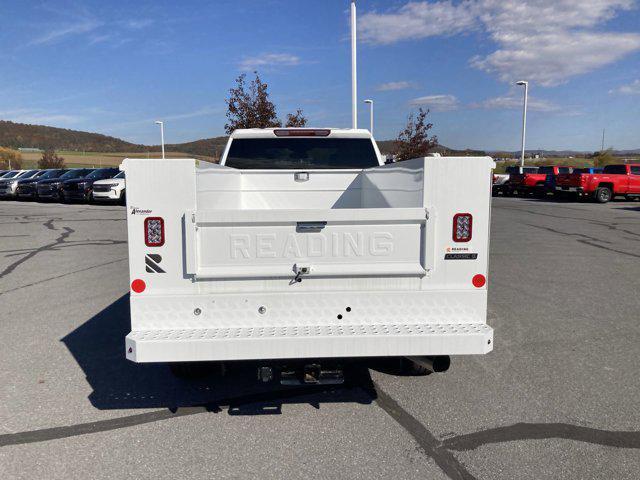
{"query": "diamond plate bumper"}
pixel 309 341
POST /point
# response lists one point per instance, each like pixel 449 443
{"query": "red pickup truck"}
pixel 527 183
pixel 614 180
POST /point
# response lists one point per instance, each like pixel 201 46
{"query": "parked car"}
pixel 82 188
pixel 51 188
pixel 614 180
pixel 28 188
pixel 28 181
pixel 528 183
pixel 501 181
pixel 9 183
pixel 112 189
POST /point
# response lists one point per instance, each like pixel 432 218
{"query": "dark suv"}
pixel 27 189
pixel 51 188
pixel 82 188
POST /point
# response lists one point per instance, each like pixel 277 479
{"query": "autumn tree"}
pixel 50 159
pixel 249 106
pixel 10 158
pixel 296 119
pixel 414 140
pixel 603 158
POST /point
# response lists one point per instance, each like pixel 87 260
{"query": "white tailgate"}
pixel 274 243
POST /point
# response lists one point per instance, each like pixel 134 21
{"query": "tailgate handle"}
pixel 310 227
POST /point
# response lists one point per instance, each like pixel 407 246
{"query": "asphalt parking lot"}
pixel 557 398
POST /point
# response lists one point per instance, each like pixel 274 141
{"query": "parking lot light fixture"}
pixel 524 117
pixel 370 102
pixel 158 122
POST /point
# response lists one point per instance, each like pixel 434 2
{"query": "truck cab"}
pixel 302 245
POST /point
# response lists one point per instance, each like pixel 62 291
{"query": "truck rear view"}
pixel 302 244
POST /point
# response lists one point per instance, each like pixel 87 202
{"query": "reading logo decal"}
pixel 152 262
pixel 459 253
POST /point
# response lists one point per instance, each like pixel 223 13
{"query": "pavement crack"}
pixel 62 276
pixel 431 446
pixel 50 246
pixel 586 240
pixel 56 433
pixel 540 431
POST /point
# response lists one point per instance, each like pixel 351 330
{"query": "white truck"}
pixel 302 249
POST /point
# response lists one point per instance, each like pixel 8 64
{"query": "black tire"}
pixel 196 370
pixel 603 194
pixel 412 369
pixel 539 192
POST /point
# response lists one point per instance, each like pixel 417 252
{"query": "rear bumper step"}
pixel 314 341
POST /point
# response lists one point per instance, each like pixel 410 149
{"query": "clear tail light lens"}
pixel 462 227
pixel 154 231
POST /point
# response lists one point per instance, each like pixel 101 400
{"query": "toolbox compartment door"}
pixel 250 244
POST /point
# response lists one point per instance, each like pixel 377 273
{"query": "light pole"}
pixel 158 122
pixel 354 72
pixel 524 117
pixel 370 102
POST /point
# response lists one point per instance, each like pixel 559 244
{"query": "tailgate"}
pixel 568 179
pixel 279 243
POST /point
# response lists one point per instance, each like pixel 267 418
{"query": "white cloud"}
pixel 544 41
pixel 139 23
pixel 631 89
pixel 437 103
pixel 513 102
pixel 269 60
pixel 389 86
pixel 416 20
pixel 39 117
pixel 59 33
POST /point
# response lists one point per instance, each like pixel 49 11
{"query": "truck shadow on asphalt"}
pixel 98 347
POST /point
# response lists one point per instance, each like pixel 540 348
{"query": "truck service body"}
pixel 303 244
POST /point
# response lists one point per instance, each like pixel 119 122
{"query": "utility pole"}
pixel 602 146
pixel 354 73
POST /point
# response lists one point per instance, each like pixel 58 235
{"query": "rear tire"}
pixel 412 369
pixel 603 194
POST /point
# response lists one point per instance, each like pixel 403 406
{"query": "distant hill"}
pixel 17 135
pixel 211 147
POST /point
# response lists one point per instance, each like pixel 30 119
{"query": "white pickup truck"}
pixel 303 246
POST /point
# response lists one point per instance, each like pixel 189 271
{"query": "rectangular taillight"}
pixel 154 231
pixel 462 227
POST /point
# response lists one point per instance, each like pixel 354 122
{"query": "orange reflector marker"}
pixel 479 280
pixel 138 285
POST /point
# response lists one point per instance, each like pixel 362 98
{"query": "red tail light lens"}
pixel 153 231
pixel 462 227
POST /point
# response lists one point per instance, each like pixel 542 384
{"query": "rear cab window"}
pixel 615 169
pixel 301 153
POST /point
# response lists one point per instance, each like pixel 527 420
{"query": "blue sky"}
pixel 116 66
